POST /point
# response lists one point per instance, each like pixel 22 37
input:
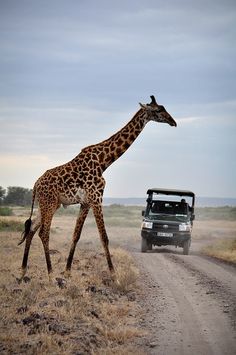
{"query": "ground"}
pixel 161 302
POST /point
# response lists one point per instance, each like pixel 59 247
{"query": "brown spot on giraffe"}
pixel 81 181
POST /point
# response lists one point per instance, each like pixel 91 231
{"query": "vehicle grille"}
pixel 171 227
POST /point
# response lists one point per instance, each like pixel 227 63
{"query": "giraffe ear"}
pixel 143 106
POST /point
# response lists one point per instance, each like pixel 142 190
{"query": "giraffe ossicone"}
pixel 81 181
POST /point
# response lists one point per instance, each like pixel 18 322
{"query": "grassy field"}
pixel 90 313
pixel 217 228
pixel 223 250
pixel 225 213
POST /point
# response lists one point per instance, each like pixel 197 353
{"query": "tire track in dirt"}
pixel 218 278
pixel 185 311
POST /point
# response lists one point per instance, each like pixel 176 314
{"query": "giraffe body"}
pixel 80 181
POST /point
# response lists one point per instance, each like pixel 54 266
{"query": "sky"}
pixel 72 73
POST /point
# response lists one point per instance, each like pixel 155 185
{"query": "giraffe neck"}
pixel 112 148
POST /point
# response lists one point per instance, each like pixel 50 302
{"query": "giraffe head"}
pixel 157 113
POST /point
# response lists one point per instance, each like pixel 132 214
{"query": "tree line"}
pixel 15 196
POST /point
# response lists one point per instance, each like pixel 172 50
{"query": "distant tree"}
pixel 18 196
pixel 2 194
pixel 28 197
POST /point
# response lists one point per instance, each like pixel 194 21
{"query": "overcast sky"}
pixel 73 72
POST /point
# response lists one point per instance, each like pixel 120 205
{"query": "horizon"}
pixel 139 197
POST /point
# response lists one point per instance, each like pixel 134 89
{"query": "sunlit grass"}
pixel 223 249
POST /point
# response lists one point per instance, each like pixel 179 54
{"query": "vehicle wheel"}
pixel 149 246
pixel 186 247
pixel 144 245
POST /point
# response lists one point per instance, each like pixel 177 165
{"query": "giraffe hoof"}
pixel 19 280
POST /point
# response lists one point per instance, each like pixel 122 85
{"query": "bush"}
pixel 126 274
pixel 11 226
pixel 6 211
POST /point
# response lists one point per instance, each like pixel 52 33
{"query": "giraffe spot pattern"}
pixel 81 181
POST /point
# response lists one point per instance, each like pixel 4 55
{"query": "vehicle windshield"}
pixel 169 211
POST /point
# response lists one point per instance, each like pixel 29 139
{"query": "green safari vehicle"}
pixel 168 219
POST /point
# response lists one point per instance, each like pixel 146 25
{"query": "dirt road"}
pixel 189 306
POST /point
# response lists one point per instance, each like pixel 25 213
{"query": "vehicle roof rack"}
pixel 170 192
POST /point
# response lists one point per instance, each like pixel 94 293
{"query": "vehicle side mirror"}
pixel 143 213
pixel 193 217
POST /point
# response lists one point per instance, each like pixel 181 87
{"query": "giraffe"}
pixel 80 181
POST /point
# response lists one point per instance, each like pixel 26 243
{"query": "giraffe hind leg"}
pixel 76 236
pixel 28 236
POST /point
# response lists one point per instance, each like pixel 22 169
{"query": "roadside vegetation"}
pixel 222 244
pixel 226 213
pixel 223 250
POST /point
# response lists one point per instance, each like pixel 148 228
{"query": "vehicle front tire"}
pixel 186 247
pixel 149 246
pixel 144 245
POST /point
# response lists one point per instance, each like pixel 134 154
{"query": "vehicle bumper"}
pixel 177 239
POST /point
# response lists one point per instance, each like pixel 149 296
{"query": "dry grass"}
pixel 126 273
pixel 216 238
pixel 90 313
pixel 222 249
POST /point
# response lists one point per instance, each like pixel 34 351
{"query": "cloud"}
pixel 54 131
pixel 188 120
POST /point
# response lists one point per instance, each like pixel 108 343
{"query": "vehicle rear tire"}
pixel 144 245
pixel 149 246
pixel 186 247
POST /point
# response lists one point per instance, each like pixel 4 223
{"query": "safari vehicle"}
pixel 168 219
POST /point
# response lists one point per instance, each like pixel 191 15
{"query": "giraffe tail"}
pixel 28 222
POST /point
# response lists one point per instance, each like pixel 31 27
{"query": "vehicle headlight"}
pixel 184 227
pixel 147 225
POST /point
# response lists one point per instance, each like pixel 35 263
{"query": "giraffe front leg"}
pixel 76 236
pixel 44 236
pixel 98 214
